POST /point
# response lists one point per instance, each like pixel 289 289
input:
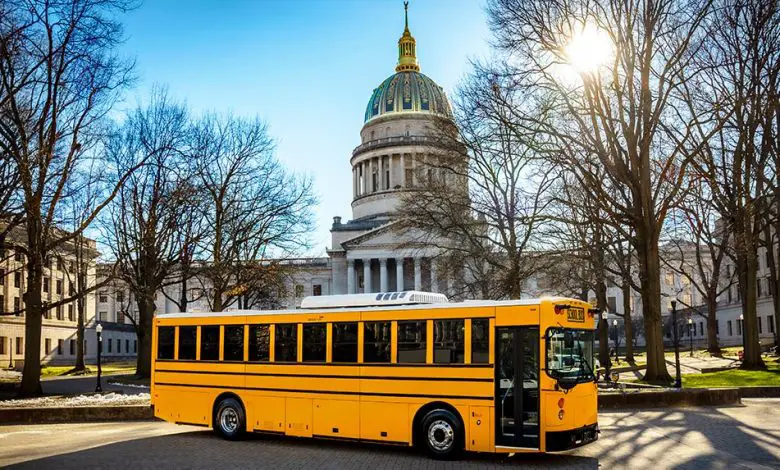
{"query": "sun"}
pixel 588 49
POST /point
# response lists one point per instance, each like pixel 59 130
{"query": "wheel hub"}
pixel 441 436
pixel 228 420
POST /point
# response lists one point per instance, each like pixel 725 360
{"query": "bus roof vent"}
pixel 378 299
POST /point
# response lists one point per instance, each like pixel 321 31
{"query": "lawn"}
pixel 735 377
pixel 107 368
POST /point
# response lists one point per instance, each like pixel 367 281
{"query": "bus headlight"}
pixel 560 415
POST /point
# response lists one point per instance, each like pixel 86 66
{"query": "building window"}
pixel 110 343
pixel 759 282
pixel 46 284
pixel 48 346
pixel 120 296
pixel 717 327
pixel 71 316
pixel 729 294
pixel 376 342
pixel 612 304
pixel 102 316
pixel 770 323
pixel 71 288
pixel 739 327
pixel 314 339
pixel 165 342
pixel 135 346
pixel 345 344
pixel 18 280
pixel 730 328
pixel 102 297
pixel 59 287
pixel 85 347
pixel 17 304
pixel 448 341
pixel 373 181
pixel 760 325
pixel 299 290
pixel 701 328
pixel 19 345
pixel 18 256
pixel 59 264
pixel 60 344
pixel 127 346
pixel 286 343
pixel 2 276
pixel 317 290
pixel 259 343
pixel 234 343
pixel 669 279
pixel 412 341
pixel 72 347
pixel 2 345
pixel 209 343
pixel 118 346
pixel 59 313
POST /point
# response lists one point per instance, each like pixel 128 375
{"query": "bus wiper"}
pixel 590 369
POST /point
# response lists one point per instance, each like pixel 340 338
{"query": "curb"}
pixel 671 398
pixel 760 392
pixel 82 414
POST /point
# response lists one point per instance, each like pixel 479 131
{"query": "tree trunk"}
pixel 33 314
pixel 183 295
pixel 747 264
pixel 603 328
pixel 146 309
pixel 80 305
pixel 774 279
pixel 712 323
pixel 650 277
pixel 627 324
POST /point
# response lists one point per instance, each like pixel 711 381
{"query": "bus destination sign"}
pixel 576 314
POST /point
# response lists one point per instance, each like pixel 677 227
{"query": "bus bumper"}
pixel 564 440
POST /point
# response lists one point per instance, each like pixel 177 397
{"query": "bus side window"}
pixel 314 339
pixel 286 343
pixel 345 346
pixel 259 343
pixel 480 340
pixel 165 341
pixel 234 343
pixel 448 342
pixel 187 342
pixel 412 339
pixel 376 341
pixel 209 343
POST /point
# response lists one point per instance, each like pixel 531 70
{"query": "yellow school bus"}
pixel 406 368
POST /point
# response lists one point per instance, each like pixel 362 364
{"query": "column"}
pixel 417 273
pixel 367 275
pixel 383 275
pixel 391 185
pixel 403 173
pixel 434 277
pixel 350 276
pixel 399 274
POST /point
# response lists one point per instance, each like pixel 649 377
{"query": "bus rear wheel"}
pixel 442 434
pixel 229 419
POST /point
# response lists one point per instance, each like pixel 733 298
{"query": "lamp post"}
pixel 690 333
pixel 617 356
pixel 10 352
pixel 98 330
pixel 677 381
pixel 742 328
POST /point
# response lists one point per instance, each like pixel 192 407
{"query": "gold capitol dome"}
pixel 407 90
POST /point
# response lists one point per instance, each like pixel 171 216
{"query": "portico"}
pixel 374 273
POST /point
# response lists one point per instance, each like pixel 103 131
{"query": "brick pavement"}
pixel 713 437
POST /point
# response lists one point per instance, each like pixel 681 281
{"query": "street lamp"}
pixel 678 380
pixel 742 328
pixel 98 330
pixel 690 333
pixel 10 352
pixel 617 358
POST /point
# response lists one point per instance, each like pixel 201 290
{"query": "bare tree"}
pixel 59 76
pixel 479 200
pixel 145 222
pixel 741 63
pixel 624 115
pixel 253 207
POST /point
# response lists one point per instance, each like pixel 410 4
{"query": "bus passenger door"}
pixel 517 387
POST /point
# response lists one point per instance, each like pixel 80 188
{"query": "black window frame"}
pixel 341 346
pixel 405 347
pixel 188 342
pixel 377 351
pixel 211 349
pixel 282 346
pixel 485 341
pixel 162 336
pixel 254 350
pixel 229 351
pixel 315 351
pixel 441 344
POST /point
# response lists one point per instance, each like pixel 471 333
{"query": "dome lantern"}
pixel 407 53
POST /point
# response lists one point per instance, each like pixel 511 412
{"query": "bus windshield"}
pixel 570 355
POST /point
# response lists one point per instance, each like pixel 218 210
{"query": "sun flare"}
pixel 588 49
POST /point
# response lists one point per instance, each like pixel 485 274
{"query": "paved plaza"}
pixel 745 436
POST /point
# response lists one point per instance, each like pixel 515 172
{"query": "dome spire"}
pixel 407 54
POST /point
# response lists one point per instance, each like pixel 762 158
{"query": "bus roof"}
pixel 385 307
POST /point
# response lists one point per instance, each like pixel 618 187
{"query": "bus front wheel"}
pixel 442 434
pixel 229 419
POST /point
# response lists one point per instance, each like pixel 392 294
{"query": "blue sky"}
pixel 307 67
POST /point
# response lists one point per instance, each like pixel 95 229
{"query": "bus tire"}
pixel 442 434
pixel 230 419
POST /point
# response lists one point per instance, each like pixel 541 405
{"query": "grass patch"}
pixel 735 378
pixel 107 368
